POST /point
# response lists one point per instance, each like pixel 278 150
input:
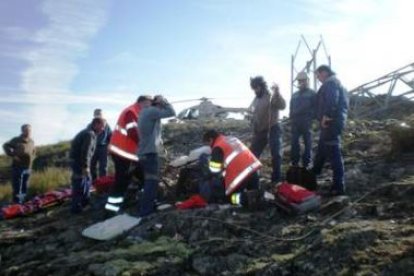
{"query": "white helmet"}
pixel 302 76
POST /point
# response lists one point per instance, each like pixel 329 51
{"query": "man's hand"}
pixel 159 99
pixel 275 89
pixel 17 158
pixel 86 172
pixel 325 121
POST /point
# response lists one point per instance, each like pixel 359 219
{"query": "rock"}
pixel 206 265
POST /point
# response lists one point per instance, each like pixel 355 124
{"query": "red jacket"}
pixel 124 139
pixel 239 162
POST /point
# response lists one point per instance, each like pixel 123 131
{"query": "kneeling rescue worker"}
pixel 234 169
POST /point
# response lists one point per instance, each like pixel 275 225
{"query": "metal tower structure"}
pixel 311 59
pixel 380 92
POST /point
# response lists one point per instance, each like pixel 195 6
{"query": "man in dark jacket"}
pixel 100 157
pixel 301 114
pixel 22 150
pixel 332 111
pixel 81 152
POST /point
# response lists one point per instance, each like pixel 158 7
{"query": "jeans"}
pixel 150 165
pixel 301 129
pixel 100 158
pixel 80 192
pixel 329 147
pixel 20 178
pixel 274 138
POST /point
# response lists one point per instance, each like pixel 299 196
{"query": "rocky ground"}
pixel 373 235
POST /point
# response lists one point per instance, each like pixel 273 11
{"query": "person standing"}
pixel 81 152
pixel 150 145
pixel 123 148
pixel 100 157
pixel 332 111
pixel 302 113
pixel 22 150
pixel 265 123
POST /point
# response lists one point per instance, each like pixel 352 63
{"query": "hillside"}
pixel 373 235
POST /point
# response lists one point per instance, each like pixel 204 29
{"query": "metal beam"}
pixel 381 101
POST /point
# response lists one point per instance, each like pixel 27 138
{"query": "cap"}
pixel 302 76
pixel 97 113
pixel 325 68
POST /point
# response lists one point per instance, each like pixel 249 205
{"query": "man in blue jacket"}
pixel 100 157
pixel 301 114
pixel 332 111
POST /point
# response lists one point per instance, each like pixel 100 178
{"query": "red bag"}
pixel 104 183
pixel 196 201
pixel 291 193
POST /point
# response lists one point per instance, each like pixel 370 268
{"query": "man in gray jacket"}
pixel 265 123
pixel 150 145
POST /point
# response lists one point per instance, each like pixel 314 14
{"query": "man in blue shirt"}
pixel 100 157
pixel 332 111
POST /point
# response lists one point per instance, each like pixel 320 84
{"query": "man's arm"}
pixel 131 126
pixel 9 147
pixel 277 101
pixel 85 157
pixel 331 97
pixel 216 164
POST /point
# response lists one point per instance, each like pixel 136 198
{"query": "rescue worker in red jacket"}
pixel 123 148
pixel 234 169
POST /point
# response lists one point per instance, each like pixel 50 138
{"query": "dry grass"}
pixel 41 182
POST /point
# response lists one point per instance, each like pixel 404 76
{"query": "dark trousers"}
pixel 274 138
pixel 80 190
pixel 329 148
pixel 100 160
pixel 150 165
pixel 301 130
pixel 122 176
pixel 20 179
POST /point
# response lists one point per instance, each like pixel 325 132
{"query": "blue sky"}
pixel 61 59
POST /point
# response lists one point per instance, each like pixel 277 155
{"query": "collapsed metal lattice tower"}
pixel 311 58
pixel 383 93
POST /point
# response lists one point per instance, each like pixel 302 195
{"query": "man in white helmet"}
pixel 302 113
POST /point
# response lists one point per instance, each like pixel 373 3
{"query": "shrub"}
pixel 49 179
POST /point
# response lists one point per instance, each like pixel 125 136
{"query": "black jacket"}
pixel 82 149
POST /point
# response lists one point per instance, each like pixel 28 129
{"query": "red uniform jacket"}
pixel 238 162
pixel 124 139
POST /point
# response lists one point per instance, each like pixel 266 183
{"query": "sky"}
pixel 59 60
